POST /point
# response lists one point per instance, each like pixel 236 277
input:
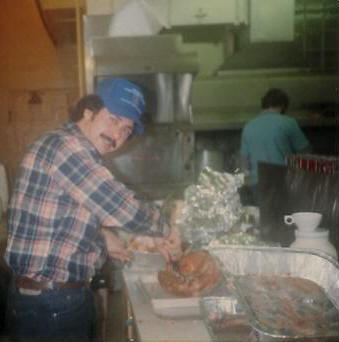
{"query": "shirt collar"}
pixel 73 129
pixel 270 112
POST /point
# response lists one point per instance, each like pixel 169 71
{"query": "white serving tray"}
pixel 164 304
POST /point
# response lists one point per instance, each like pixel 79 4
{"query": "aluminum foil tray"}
pixel 322 270
pixel 225 319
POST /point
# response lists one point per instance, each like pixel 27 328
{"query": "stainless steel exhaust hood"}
pixel 162 160
pixel 159 53
pixel 149 54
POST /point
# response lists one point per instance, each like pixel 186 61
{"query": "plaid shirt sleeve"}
pixel 93 186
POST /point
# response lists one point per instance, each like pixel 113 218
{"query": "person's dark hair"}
pixel 91 102
pixel 275 98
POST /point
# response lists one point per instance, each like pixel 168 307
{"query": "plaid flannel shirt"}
pixel 62 196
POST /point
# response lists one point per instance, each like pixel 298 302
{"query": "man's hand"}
pixel 115 246
pixel 176 211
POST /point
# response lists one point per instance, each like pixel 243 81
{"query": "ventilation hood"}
pixel 105 55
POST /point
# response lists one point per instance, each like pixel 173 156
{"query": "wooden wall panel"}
pixel 28 120
pixel 4 106
pixel 28 57
pixel 39 106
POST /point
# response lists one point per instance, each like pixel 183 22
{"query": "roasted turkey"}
pixel 196 271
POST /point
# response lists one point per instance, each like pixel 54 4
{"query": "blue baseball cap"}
pixel 123 98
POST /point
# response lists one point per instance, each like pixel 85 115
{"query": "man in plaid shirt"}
pixel 62 197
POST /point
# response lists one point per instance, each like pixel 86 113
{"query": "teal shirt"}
pixel 269 138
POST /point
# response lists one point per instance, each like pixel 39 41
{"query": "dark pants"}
pixel 54 315
pixel 249 195
pixel 255 194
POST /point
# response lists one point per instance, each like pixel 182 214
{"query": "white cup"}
pixel 304 220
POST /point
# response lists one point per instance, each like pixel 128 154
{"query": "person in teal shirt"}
pixel 270 137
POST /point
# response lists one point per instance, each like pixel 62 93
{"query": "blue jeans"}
pixel 54 315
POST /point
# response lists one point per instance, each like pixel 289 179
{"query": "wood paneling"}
pixel 29 114
pixel 38 106
pixel 38 80
pixel 61 4
pixel 4 106
pixel 28 58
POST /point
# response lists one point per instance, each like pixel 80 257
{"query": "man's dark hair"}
pixel 275 98
pixel 91 102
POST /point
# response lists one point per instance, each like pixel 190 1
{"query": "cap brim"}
pixel 120 111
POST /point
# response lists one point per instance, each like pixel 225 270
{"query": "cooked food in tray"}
pixel 196 272
pixel 288 306
pixel 224 318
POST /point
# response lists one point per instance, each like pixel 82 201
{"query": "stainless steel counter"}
pixel 151 328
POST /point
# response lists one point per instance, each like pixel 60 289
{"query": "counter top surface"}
pixel 152 328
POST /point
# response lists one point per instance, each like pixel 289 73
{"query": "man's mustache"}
pixel 112 141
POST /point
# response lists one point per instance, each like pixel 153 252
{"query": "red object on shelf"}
pixel 313 163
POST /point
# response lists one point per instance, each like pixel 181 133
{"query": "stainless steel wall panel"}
pixel 157 162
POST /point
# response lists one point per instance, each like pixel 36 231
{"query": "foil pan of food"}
pixel 225 319
pixel 286 294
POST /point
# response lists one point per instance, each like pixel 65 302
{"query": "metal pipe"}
pixel 305 31
pixel 322 38
pixel 165 97
pixel 80 52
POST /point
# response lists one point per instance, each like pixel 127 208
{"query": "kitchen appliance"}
pixel 161 161
pixel 214 159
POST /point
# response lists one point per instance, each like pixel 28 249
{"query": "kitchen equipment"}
pixel 314 240
pixel 319 268
pixel 155 163
pixel 214 159
pixel 305 221
pixel 162 159
pixel 136 18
